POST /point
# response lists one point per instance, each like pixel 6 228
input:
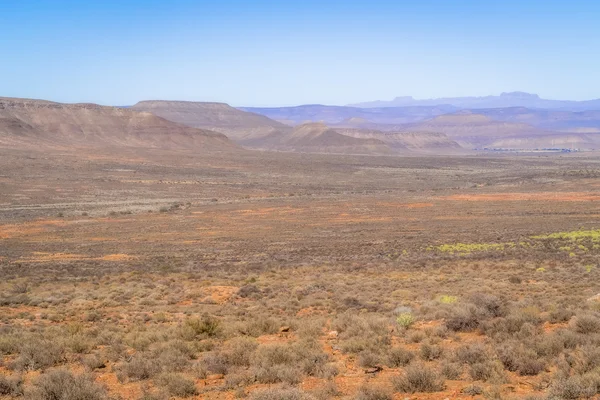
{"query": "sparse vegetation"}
pixel 260 293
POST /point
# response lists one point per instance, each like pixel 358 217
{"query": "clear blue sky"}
pixel 259 52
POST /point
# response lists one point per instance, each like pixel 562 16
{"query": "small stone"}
pixel 284 329
pixel 332 335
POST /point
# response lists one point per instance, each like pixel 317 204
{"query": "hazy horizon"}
pixel 272 53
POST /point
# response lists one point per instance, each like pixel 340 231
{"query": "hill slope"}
pixel 319 138
pixel 238 125
pixel 472 130
pixel 334 115
pixel 564 121
pixel 25 122
pixel 412 141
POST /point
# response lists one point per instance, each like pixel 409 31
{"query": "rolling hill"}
pixel 240 126
pixel 478 131
pixel 431 142
pixel 319 138
pixel 340 115
pixel 26 123
pixel 563 121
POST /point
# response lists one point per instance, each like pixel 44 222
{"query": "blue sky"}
pixel 262 53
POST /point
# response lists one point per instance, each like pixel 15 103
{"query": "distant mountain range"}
pixel 511 99
pixel 197 126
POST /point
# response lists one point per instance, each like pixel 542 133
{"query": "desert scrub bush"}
pixel 240 351
pixel 280 393
pixel 472 390
pixel 575 387
pixel 79 344
pixel 372 392
pixel 177 385
pixel 418 378
pixel 93 362
pixel 471 354
pixel 486 371
pixel 140 367
pixel 214 362
pixel 249 291
pixel 430 352
pixel 362 332
pixel 311 329
pixel 452 371
pixel 463 318
pixel 200 328
pixel 11 385
pixel 172 356
pixel 516 358
pixel 36 353
pixel 256 327
pixel 287 363
pixel 416 337
pixel 399 357
pixel 9 343
pixel 489 305
pixel 560 315
pixel 586 324
pixel 328 391
pixel 368 359
pixel 63 385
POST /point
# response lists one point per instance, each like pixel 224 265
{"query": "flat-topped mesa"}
pixel 8 102
pixel 26 122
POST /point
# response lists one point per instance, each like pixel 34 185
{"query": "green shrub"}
pixel 199 328
pixel 405 320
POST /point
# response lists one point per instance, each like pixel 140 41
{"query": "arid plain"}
pixel 155 274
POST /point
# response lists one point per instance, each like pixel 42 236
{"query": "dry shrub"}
pixel 36 353
pixel 11 385
pixel 240 351
pixel 368 359
pixel 139 368
pixel 177 385
pixel 452 371
pixel 463 318
pixel 399 357
pixel 63 385
pixel 373 393
pixel 575 387
pixel 586 324
pixel 517 358
pixel 471 354
pixel 430 352
pixel 418 378
pixel 200 328
pixel 280 393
